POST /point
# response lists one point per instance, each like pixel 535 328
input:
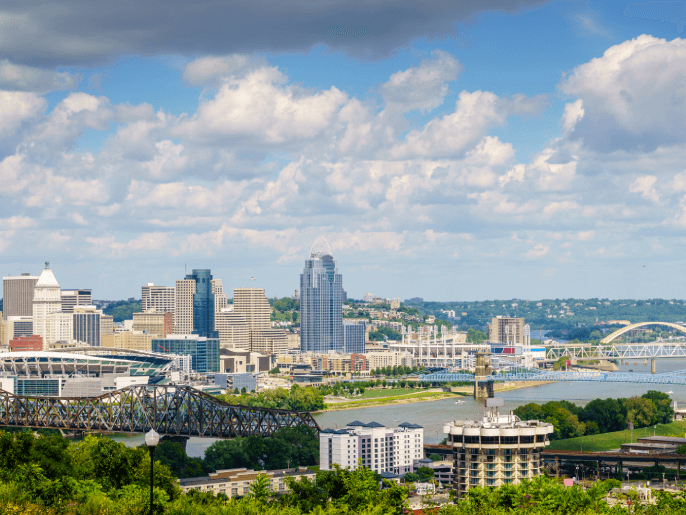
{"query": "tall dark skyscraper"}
pixel 203 303
pixel 321 301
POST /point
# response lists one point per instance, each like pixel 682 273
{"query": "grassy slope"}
pixel 387 392
pixel 414 397
pixel 610 441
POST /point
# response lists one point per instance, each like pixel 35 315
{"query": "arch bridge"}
pixel 626 329
pixel 170 410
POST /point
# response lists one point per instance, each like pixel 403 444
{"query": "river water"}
pixel 432 415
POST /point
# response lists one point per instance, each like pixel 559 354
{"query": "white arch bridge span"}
pixel 619 332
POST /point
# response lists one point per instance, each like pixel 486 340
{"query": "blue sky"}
pixel 492 149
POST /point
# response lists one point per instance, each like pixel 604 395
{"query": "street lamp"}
pixel 151 440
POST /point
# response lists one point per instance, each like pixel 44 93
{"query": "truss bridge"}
pixel 170 410
pixel 673 348
pixel 678 377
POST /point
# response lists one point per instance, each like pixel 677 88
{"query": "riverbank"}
pixel 426 396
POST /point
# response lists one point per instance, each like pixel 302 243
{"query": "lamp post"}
pixel 151 440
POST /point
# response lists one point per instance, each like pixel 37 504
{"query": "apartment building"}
pixel 374 446
pixel 497 450
pixel 388 359
pixel 237 482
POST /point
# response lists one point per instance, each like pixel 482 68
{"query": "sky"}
pixel 447 150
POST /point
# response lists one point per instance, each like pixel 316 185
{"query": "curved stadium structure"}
pixel 85 373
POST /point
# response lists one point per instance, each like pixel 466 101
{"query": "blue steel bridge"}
pixel 524 374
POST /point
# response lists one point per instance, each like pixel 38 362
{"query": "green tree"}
pixel 664 413
pixel 640 411
pixel 608 414
pixel 260 489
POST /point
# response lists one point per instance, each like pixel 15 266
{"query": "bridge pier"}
pixel 183 440
pixel 483 383
pixel 653 368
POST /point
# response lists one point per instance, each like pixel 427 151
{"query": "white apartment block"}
pixel 162 298
pixel 183 306
pixel 376 447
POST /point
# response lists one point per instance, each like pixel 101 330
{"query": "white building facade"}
pixel 374 446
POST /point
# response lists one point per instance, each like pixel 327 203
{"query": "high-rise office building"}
pixel 183 306
pixel 321 304
pixel 87 325
pixel 203 304
pixel 508 331
pixel 17 326
pixel 61 327
pixel 72 298
pixel 106 325
pixel 154 322
pixel 221 301
pixel 47 299
pixel 195 304
pixel 204 351
pixel 232 329
pixel 270 341
pixel 134 340
pixel 353 336
pixel 162 298
pixel 17 295
pixel 252 303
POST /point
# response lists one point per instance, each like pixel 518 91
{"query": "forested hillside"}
pixel 559 313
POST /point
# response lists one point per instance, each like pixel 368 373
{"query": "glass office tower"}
pixel 203 304
pixel 321 302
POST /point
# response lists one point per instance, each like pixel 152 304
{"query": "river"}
pixel 432 415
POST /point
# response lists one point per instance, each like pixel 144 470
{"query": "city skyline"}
pixel 472 151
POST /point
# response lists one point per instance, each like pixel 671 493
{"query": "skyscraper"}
pixel 321 304
pixel 203 304
pixel 47 300
pixel 183 306
pixel 252 303
pixel 159 297
pixel 353 336
pixel 87 325
pixel 194 307
pixel 72 298
pixel 17 295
